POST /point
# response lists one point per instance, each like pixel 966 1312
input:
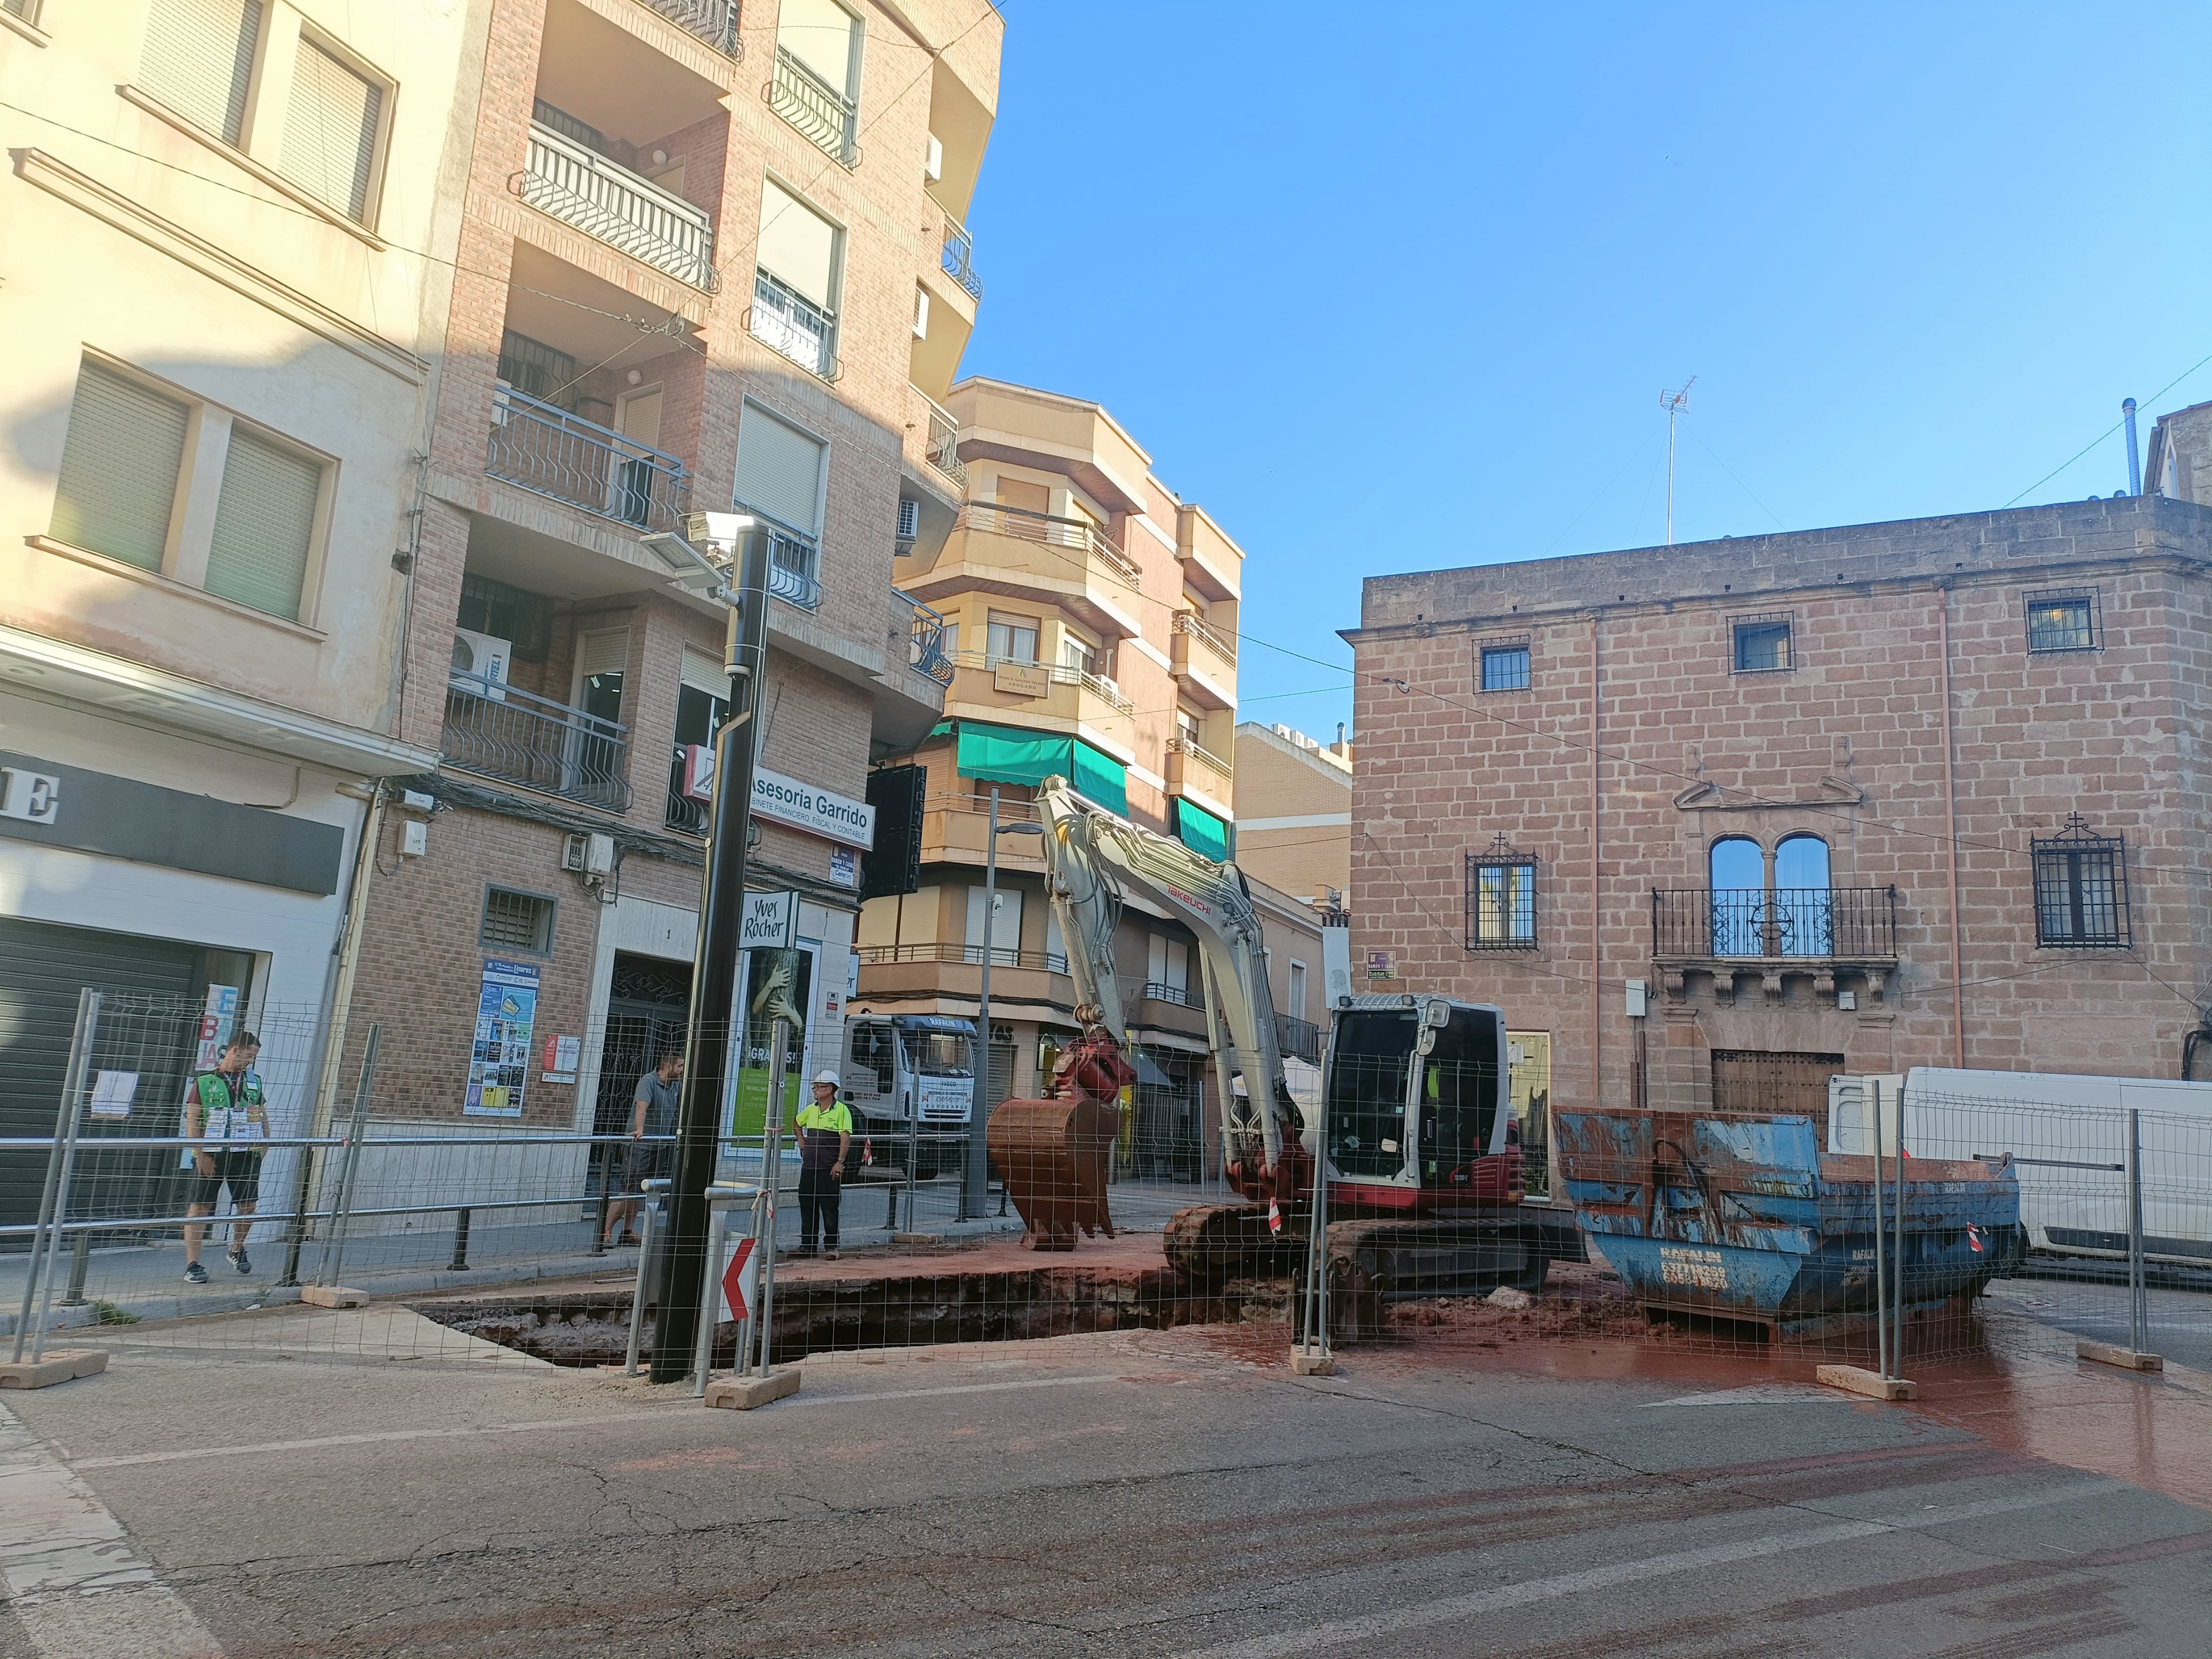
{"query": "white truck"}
pixel 2068 1138
pixel 906 1072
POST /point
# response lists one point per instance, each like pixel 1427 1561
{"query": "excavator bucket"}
pixel 1054 1155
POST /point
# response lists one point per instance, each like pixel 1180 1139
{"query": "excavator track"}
pixel 1374 1263
pixel 1208 1244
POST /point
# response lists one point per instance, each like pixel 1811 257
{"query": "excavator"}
pixel 1422 1195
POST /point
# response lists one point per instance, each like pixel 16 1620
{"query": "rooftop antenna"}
pixel 2135 464
pixel 1674 403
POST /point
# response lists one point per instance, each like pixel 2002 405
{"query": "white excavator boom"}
pixel 1092 859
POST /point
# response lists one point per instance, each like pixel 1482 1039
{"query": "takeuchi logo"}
pixel 1199 905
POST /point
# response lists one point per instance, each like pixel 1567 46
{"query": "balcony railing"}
pixel 1022 525
pixel 1181 996
pixel 503 733
pixel 1300 1039
pixel 1190 623
pixel 1002 956
pixel 794 565
pixel 1849 924
pixel 1059 673
pixel 715 22
pixel 925 644
pixel 958 253
pixel 784 317
pixel 816 108
pixel 944 447
pixel 546 449
pixel 1189 750
pixel 574 184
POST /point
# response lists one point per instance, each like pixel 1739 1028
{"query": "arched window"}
pixel 1736 867
pixel 1803 906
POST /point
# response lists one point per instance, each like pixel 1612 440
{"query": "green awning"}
pixel 1008 754
pixel 1202 832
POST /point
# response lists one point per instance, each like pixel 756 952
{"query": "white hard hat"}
pixel 829 1077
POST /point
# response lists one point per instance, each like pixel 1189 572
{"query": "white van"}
pixel 2067 1137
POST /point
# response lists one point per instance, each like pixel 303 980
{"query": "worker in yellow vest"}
pixel 825 1136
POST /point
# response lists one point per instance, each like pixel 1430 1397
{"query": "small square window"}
pixel 1505 667
pixel 2061 621
pixel 516 921
pixel 1762 645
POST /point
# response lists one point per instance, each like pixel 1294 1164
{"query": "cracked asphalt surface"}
pixel 1143 1494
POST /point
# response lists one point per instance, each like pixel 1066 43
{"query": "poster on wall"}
pixel 505 1011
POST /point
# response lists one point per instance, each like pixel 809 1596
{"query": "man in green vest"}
pixel 225 1112
pixel 825 1135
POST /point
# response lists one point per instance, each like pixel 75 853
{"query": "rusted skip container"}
pixel 1055 1155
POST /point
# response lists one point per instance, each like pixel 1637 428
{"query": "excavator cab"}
pixel 1413 1099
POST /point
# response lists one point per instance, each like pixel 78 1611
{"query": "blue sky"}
pixel 1409 302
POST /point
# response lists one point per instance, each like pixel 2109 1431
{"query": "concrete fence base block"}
pixel 1856 1379
pixel 917 1238
pixel 1312 1364
pixel 62 1366
pixel 2127 1359
pixel 744 1394
pixel 333 1296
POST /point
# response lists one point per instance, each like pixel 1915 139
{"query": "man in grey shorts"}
pixel 654 1107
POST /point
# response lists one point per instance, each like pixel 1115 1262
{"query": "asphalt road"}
pixel 1169 1493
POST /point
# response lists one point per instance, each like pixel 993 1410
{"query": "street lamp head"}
pixel 718 532
pixel 691 568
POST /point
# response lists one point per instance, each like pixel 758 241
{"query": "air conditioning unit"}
pixel 588 853
pixel 933 160
pixel 909 520
pixel 480 662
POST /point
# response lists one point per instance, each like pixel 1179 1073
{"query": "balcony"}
pixel 944 443
pixel 925 640
pixel 1205 660
pixel 785 319
pixel 1727 931
pixel 546 449
pixel 818 109
pixel 957 256
pixel 581 187
pixel 500 732
pixel 1193 771
pixel 1016 688
pixel 1299 1039
pixel 1080 535
pixel 955 826
pixel 1002 956
pixel 715 22
pixel 1180 996
pixel 794 565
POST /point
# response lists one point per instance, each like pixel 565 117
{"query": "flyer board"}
pixel 498 1065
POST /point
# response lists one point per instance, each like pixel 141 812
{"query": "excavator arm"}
pixel 1093 859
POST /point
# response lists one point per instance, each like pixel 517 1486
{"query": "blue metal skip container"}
pixel 1746 1219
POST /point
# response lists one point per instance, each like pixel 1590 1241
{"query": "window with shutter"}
pixel 820 34
pixel 798 246
pixel 330 131
pixel 199 60
pixel 780 471
pixel 120 464
pixel 265 524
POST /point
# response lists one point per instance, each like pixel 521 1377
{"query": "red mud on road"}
pixel 2002 1377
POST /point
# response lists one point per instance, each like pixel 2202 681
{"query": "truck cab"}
pixel 910 1072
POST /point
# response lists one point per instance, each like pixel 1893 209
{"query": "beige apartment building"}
pixel 1294 812
pixel 1091 621
pixel 711 259
pixel 228 242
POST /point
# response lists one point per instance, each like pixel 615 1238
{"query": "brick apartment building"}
pixel 1090 624
pixel 1294 812
pixel 1927 793
pixel 711 258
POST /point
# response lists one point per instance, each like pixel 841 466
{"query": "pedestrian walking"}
pixel 226 1115
pixel 654 1104
pixel 825 1136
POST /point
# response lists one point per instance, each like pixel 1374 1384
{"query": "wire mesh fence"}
pixel 213 1199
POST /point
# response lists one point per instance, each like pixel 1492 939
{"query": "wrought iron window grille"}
pixel 1501 898
pixel 1763 644
pixel 1503 665
pixel 2063 622
pixel 2082 890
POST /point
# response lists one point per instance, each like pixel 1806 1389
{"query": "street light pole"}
pixel 714 968
pixel 975 1177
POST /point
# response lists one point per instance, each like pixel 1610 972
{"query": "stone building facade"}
pixel 711 259
pixel 1927 793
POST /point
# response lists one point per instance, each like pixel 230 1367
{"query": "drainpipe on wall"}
pixel 1951 834
pixel 1597 987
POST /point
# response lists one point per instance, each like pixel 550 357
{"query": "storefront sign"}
pixel 771 923
pixel 817 811
pixel 498 1066
pixel 216 1020
pixel 844 866
pixel 34 797
pixel 1021 679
